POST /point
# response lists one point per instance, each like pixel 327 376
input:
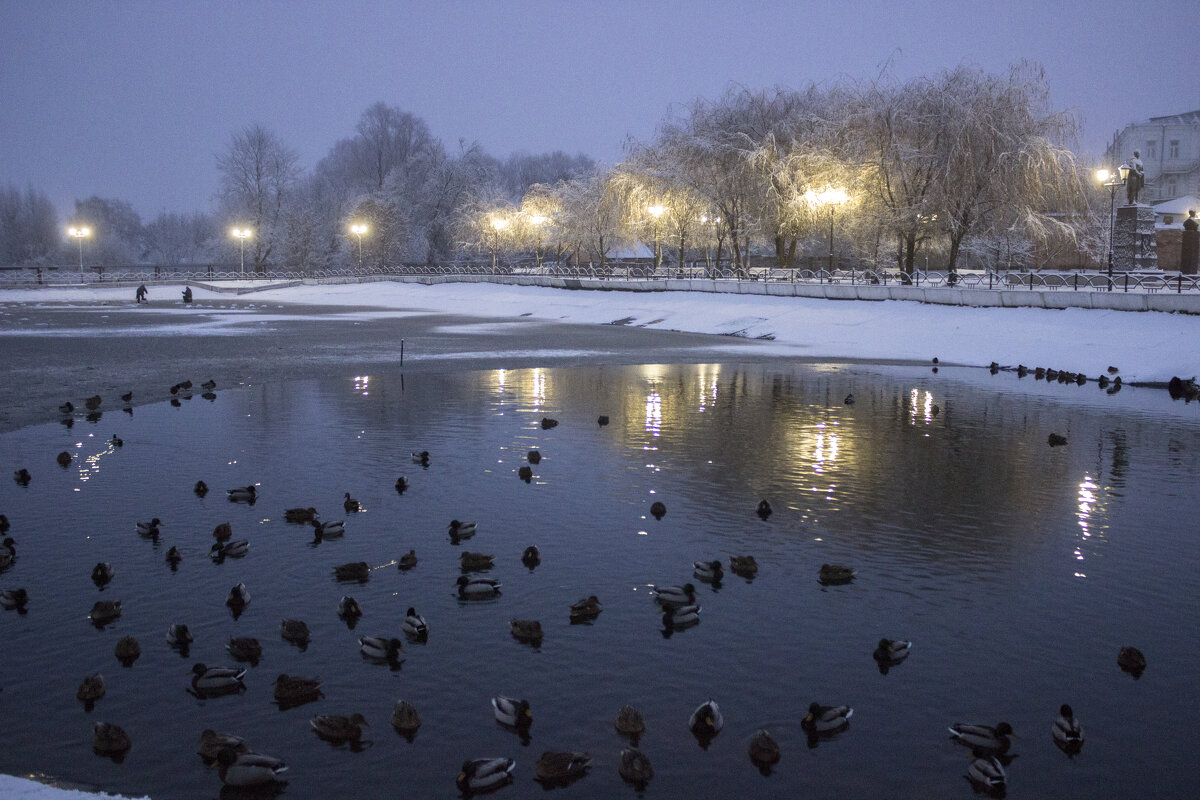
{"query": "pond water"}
pixel 1018 570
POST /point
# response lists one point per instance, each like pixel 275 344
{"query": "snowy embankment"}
pixel 14 788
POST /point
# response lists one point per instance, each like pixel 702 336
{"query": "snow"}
pixel 14 788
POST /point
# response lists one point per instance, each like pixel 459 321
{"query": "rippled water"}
pixel 1017 570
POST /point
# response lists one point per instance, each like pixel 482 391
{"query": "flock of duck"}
pixel 238 765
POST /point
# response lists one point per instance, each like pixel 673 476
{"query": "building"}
pixel 1170 148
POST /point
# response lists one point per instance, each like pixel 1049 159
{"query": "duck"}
pixel 421 457
pixel 548 423
pixel 477 589
pixel 116 441
pixel 832 574
pixel 244 648
pixel 709 571
pixel 93 402
pixel 764 750
pixel 602 420
pixel 629 721
pixel 745 566
pixel 401 484
pixel 150 528
pixel 337 728
pixel 22 476
pixel 408 560
pixel 294 631
pixel 1067 732
pixel 294 688
pixel 105 611
pixel 208 385
pixel 66 408
pixel 351 505
pixel 526 630
pixel 1131 660
pixel 525 473
pixel 300 515
pixel 110 739
pixel 127 650
pixel 892 651
pixel 235 548
pixel 127 397
pixel 348 608
pixel 483 774
pixel 239 596
pixel 461 530
pixel 14 599
pixel 635 767
pixel 201 488
pixel 472 561
pixel 531 557
pixel 763 510
pixel 63 459
pixel 178 635
pixel 212 743
pixel 329 530
pixel 676 595
pixel 354 571
pixel 242 494
pixel 565 767
pixel 995 740
pixel 405 718
pixel 986 771
pixel 217 679
pixel 511 712
pixel 706 720
pixel 174 556
pixel 223 532
pixel 102 573
pixel 1056 440
pixel 8 552
pixel 680 617
pixel 4 524
pixel 92 688
pixel 849 401
pixel 414 625
pixel 658 509
pixel 380 648
pixel 586 608
pixel 826 719
pixel 248 769
pixel 533 456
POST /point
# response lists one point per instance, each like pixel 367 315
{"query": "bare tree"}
pixel 172 239
pixel 258 177
pixel 29 232
pixel 117 237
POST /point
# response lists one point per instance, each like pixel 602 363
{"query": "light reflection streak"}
pixel 1087 504
pixel 654 414
pixel 925 405
pixel 360 383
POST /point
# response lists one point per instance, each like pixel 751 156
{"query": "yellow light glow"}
pixel 537 219
pixel 499 223
pixel 656 210
pixel 829 196
pixel 79 233
pixel 241 233
pixel 1103 175
pixel 358 228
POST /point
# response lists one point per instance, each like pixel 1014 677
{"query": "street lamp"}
pixel 358 229
pixel 79 234
pixel 242 234
pixel 656 211
pixel 830 198
pixel 1112 181
pixel 498 224
pixel 538 220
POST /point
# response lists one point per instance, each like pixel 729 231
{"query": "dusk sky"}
pixel 133 100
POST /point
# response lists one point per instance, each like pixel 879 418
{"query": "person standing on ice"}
pixel 141 293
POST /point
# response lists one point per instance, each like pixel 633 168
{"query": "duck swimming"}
pixel 709 571
pixel 348 608
pixel 477 589
pixel 405 718
pixel 511 712
pixel 150 528
pixel 744 566
pixel 109 739
pixel 105 611
pixel 294 631
pixel 217 680
pixel 833 574
pixel 891 651
pixel 408 560
pixel 676 595
pixel 764 750
pixel 629 721
pixel 826 719
pixel 461 530
pixel 526 630
pixel 531 557
pixel 380 648
pixel 242 494
pixel 414 625
pixel 561 768
pixel 1067 732
pixel 680 617
pixel 300 515
pixel 706 720
pixel 401 484
pixel 993 740
pixel 248 769
pixel 239 596
pixel 986 772
pixel 102 573
pixel 635 767
pixel 244 648
pixel 22 476
pixel 658 509
pixel 232 549
pixel 587 608
pixel 471 561
pixel 329 530
pixel 223 532
pixel 178 635
pixel 337 728
pixel 14 599
pixel 295 689
pixel 127 650
pixel 201 488
pixel 212 743
pixel 483 774
pixel 351 505
pixel 355 571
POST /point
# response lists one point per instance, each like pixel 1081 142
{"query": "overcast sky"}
pixel 133 100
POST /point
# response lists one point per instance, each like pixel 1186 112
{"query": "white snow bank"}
pixel 14 788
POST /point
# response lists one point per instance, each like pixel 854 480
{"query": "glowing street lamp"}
pixel 242 234
pixel 79 234
pixel 538 220
pixel 656 211
pixel 498 224
pixel 1112 181
pixel 358 229
pixel 830 198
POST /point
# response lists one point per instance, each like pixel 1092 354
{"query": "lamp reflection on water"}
pixel 360 383
pixel 91 464
pixel 708 385
pixel 924 404
pixel 654 413
pixel 1087 504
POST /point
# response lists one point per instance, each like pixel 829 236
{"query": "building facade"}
pixel 1170 148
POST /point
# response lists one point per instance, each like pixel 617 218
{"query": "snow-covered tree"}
pixel 259 175
pixel 29 232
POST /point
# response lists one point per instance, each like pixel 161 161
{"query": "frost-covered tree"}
pixel 116 237
pixel 259 176
pixel 172 239
pixel 29 232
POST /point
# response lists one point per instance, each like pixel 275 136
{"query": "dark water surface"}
pixel 1017 570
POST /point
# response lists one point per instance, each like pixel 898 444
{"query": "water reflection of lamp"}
pixel 653 413
pixel 1087 501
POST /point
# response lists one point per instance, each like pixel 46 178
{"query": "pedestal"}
pixel 1189 252
pixel 1134 243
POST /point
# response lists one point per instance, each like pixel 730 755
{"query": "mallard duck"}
pixel 476 560
pixel 66 408
pixel 348 608
pixel 983 737
pixel 461 530
pixel 892 651
pixel 629 721
pixel 675 595
pixel 680 617
pixel 635 767
pixel 212 743
pixel 235 548
pixel 223 532
pixel 706 720
pixel 1067 732
pixel 244 648
pixel 483 774
pixel 63 459
pixel 764 749
pixel 242 494
pixel 92 688
pixel 408 560
pixel 658 509
pixel 329 530
pixel 208 385
pixel 93 402
pixel 201 488
pixel 405 718
pixel 105 611
pixel 835 574
pixel 1056 440
pixel 421 457
pixel 174 556
pixel 22 476
pixel 127 650
pixel 414 625
pixel 217 680
pixel 1131 660
pixel 708 571
pixel 116 441
pixel 525 473
pixel 355 571
pixel 337 728
pixel 14 599
pixel 4 524
pixel 248 769
pixel 351 505
pixel 109 739
pixel 745 566
pixel 602 420
pixel 150 528
pixel 380 648
pixel 587 608
pixel 239 596
pixel 562 767
pixel 178 635
pixel 294 631
pixel 531 557
pixel 477 589
pixel 294 688
pixel 300 515
pixel 849 399
pixel 548 423
pixel 8 553
pixel 763 510
pixel 826 719
pixel 533 456
pixel 401 484
pixel 526 630
pixel 510 712
pixel 987 772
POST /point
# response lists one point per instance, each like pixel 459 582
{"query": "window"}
pixel 1174 148
pixel 1151 150
pixel 1172 187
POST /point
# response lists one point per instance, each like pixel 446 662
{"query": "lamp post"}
pixel 358 229
pixel 1112 180
pixel 242 234
pixel 498 224
pixel 79 234
pixel 656 211
pixel 537 220
pixel 830 198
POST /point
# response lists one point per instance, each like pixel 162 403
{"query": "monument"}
pixel 1134 241
pixel 1190 249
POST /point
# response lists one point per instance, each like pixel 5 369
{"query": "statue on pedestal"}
pixel 1189 256
pixel 1136 179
